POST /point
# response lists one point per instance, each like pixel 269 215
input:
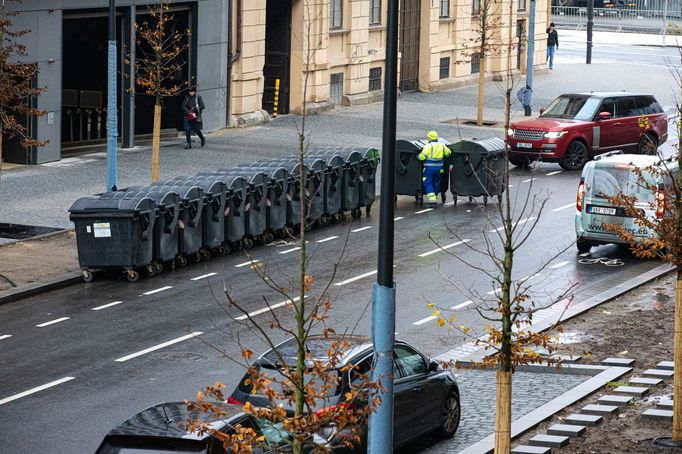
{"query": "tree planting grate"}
pixel 470 122
pixel 23 232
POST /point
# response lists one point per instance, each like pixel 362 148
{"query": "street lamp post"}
pixel 530 50
pixel 380 436
pixel 590 24
pixel 112 105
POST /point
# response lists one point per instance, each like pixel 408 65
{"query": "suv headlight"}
pixel 510 132
pixel 555 134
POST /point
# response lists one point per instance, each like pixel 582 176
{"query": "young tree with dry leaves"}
pixel 159 59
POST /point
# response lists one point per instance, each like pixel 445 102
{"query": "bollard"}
pixel 276 101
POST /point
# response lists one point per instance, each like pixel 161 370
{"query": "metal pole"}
pixel 380 436
pixel 590 24
pixel 665 19
pixel 530 51
pixel 112 104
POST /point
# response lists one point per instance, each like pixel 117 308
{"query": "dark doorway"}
pixel 277 54
pixel 409 44
pixel 521 45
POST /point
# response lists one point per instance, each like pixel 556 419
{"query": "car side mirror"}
pixel 542 110
pixel 433 366
pixel 604 116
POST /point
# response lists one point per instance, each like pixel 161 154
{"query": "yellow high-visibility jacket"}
pixel 433 153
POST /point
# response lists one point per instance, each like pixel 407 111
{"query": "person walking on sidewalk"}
pixel 192 106
pixel 552 44
pixel 433 154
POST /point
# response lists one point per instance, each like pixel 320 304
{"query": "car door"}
pixel 605 132
pixel 403 406
pixel 629 131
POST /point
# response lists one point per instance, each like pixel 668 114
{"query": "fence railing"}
pixel 626 19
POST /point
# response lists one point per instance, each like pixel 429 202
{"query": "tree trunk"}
pixel 156 137
pixel 503 412
pixel 677 380
pixel 481 90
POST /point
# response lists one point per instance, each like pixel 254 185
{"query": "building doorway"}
pixel 277 55
pixel 409 44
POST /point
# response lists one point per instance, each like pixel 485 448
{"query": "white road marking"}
pixel 563 207
pixel 203 276
pixel 35 390
pixel 464 304
pixel 522 221
pixel 267 309
pixel 324 240
pixel 496 291
pixel 158 347
pixel 433 317
pixel 443 248
pixel 527 181
pixel 356 278
pixel 250 262
pixel 52 322
pixel 426 210
pixel 5 336
pixel 585 254
pixel 399 218
pixel 424 320
pixel 290 250
pixel 104 306
pixel 162 289
pixel 560 264
pixel 449 204
pixel 510 185
pixel 361 229
pixel 556 172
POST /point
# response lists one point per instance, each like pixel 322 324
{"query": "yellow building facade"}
pixel 334 50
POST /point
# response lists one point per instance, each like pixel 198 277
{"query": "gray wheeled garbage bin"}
pixel 477 169
pixel 275 198
pixel 235 218
pixel 351 182
pixel 114 234
pixel 166 229
pixel 255 206
pixel 370 164
pixel 314 188
pixel 333 208
pixel 409 170
pixel 190 223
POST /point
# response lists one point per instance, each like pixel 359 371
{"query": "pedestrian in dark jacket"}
pixel 192 106
pixel 552 44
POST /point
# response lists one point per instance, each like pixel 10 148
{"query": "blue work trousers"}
pixel 432 176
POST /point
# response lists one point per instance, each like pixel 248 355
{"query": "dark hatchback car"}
pixel 426 397
pixel 159 430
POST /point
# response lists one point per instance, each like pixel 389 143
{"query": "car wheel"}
pixel 575 156
pixel 583 246
pixel 449 417
pixel 524 163
pixel 648 144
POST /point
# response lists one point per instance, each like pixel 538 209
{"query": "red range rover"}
pixel 576 127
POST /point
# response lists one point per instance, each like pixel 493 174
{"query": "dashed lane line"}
pixel 250 262
pixel 356 278
pixel 521 221
pixel 563 207
pixel 267 309
pixel 523 279
pixel 449 204
pixel 444 248
pixel 361 229
pixel 527 181
pixel 461 305
pixel 162 289
pixel 556 172
pixel 35 390
pixel 52 322
pixel 426 210
pixel 289 250
pixel 399 218
pixel 5 336
pixel 106 306
pixel 329 238
pixel 203 276
pixel 433 317
pixel 585 254
pixel 560 264
pixel 158 347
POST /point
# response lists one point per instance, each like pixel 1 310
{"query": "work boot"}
pixel 203 141
pixel 188 146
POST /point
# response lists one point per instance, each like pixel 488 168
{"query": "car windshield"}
pixel 612 181
pixel 134 445
pixel 572 107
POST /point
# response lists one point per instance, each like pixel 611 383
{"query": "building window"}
pixel 522 5
pixel 475 63
pixel 335 13
pixel 374 12
pixel 374 79
pixel 475 7
pixel 444 68
pixel 336 88
pixel 444 8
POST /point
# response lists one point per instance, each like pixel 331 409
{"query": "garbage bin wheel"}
pixel 158 268
pixel 454 199
pixel 222 250
pixel 132 275
pixel 338 217
pixel 443 197
pixel 247 243
pixel 419 200
pixel 395 199
pixel 471 199
pixel 485 201
pixel 368 210
pixel 87 276
pixel 181 261
pixel 288 231
pixel 149 270
pixel 323 220
pixel 170 265
pixel 197 256
pixel 268 238
pixel 356 213
pixel 206 254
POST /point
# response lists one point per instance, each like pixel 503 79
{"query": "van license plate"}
pixel 603 210
pixel 524 145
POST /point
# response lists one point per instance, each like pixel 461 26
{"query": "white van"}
pixel 609 175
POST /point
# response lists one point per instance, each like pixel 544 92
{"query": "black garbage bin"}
pixel 351 181
pixel 289 186
pixel 275 197
pixel 477 169
pixel 409 170
pixel 115 234
pixel 333 186
pixel 370 164
pixel 314 187
pixel 255 206
pixel 235 218
pixel 190 223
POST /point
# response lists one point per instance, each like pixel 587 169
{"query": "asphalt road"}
pixel 642 57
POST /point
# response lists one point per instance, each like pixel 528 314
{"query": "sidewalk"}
pixel 621 39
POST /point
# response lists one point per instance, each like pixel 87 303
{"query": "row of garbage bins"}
pixel 190 218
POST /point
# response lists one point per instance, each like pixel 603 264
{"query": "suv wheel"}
pixel 583 246
pixel 449 416
pixel 648 144
pixel 524 163
pixel 575 157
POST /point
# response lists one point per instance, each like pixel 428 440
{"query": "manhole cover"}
pixel 23 232
pixel 469 122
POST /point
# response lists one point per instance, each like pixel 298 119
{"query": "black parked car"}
pixel 426 397
pixel 159 429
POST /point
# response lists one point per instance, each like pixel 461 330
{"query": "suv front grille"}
pixel 527 134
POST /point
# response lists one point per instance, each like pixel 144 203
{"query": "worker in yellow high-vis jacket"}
pixel 433 155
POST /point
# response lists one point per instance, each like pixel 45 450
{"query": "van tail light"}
pixel 581 195
pixel 331 409
pixel 660 202
pixel 234 401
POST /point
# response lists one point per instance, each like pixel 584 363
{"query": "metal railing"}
pixel 627 18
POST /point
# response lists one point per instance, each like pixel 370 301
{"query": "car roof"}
pixel 608 94
pixel 317 346
pixel 166 420
pixel 636 159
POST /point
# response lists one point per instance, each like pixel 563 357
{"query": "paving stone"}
pixel 632 390
pixel 659 414
pixel 660 373
pixel 567 359
pixel 599 409
pixel 524 449
pixel 583 420
pixel 645 381
pixel 550 441
pixel 614 400
pixel 665 404
pixel 666 365
pixel 618 362
pixel 569 430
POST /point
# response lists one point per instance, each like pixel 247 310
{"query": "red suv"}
pixel 576 127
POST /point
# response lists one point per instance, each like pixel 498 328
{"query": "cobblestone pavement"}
pixel 477 388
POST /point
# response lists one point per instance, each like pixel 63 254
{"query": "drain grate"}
pixel 23 232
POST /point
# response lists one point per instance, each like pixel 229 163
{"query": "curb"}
pixel 36 288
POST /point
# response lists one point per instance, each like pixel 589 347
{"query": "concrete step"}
pixel 666 365
pixel 567 359
pixel 550 441
pixel 664 404
pixel 625 362
pixel 632 390
pixel 660 373
pixel 611 399
pixel 666 415
pixel 599 410
pixel 525 449
pixel 583 420
pixel 568 430
pixel 645 381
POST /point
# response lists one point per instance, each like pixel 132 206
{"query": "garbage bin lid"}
pixel 90 205
pixel 484 146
